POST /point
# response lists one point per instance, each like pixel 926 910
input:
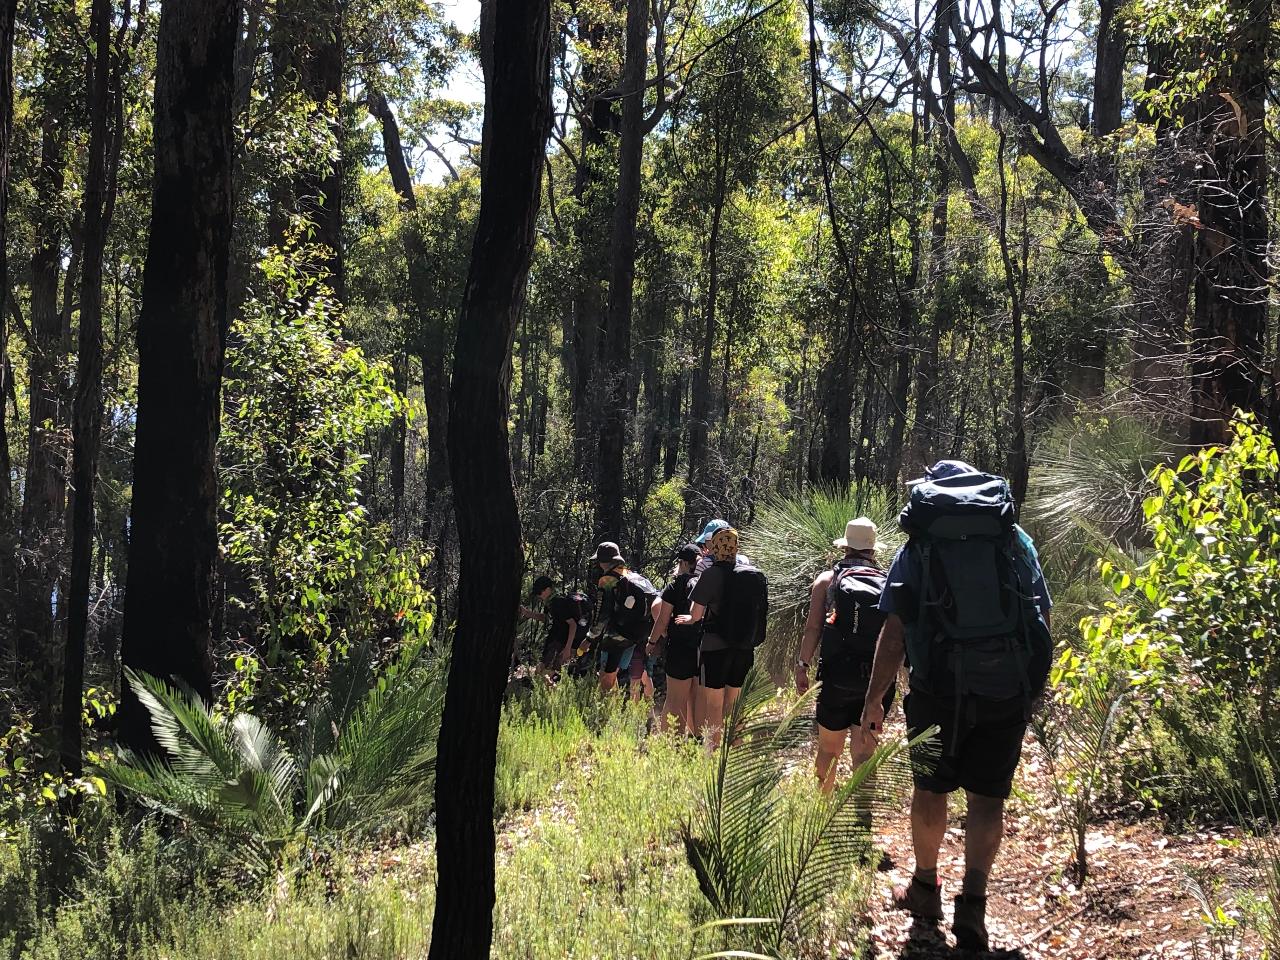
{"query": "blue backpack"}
pixel 973 632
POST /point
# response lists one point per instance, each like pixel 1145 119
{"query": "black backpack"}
pixel 971 630
pixel 582 610
pixel 742 616
pixel 853 613
pixel 638 618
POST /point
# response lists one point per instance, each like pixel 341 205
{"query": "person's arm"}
pixel 812 635
pixel 567 653
pixel 695 615
pixel 660 621
pixel 891 653
pixel 527 614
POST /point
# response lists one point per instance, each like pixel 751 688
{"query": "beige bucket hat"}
pixel 859 534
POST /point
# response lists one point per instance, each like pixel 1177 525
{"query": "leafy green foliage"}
pixel 311 573
pixel 363 761
pixel 760 854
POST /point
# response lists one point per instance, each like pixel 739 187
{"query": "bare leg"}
pixel 830 745
pixel 608 681
pixel 983 831
pixel 712 715
pixel 928 826
pixel 696 718
pixel 677 705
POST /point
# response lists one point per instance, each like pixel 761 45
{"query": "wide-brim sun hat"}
pixel 859 534
pixel 607 552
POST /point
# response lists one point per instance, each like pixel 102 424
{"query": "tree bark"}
pixel 44 489
pixel 1232 271
pixel 517 115
pixel 181 335
pixel 8 16
pixel 86 423
pixel 618 411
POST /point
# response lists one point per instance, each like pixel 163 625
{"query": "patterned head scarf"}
pixel 724 545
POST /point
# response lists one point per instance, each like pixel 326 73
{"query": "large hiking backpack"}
pixel 633 619
pixel 973 631
pixel 853 613
pixel 742 616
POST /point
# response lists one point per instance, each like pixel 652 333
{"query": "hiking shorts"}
pixel 979 755
pixel 616 660
pixel 681 660
pixel 840 707
pixel 725 668
pixel 641 662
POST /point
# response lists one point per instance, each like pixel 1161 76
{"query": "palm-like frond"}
pixel 755 856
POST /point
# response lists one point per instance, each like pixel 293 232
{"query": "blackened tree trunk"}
pixel 44 488
pixel 86 422
pixel 181 333
pixel 1232 271
pixel 837 408
pixel 618 410
pixel 517 114
pixel 8 16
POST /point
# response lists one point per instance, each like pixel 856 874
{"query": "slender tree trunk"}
pixel 1019 466
pixel 517 114
pixel 618 410
pixel 838 408
pixel 8 16
pixel 86 423
pixel 181 333
pixel 44 489
pixel 1232 271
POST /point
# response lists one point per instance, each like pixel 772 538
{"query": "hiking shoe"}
pixel 970 923
pixel 919 899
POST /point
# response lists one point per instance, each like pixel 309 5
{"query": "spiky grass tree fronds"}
pixel 1090 479
pixel 365 758
pixel 754 854
pixel 1078 734
pixel 790 539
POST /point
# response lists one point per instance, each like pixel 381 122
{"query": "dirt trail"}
pixel 1137 904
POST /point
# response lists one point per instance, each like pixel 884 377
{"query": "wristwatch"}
pixel 801 663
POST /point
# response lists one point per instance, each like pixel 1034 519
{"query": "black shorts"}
pixel 980 755
pixel 725 668
pixel 681 660
pixel 840 706
pixel 551 653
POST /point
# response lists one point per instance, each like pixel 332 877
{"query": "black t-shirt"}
pixel 676 593
pixel 708 591
pixel 560 610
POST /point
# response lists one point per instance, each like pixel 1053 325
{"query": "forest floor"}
pixel 1139 902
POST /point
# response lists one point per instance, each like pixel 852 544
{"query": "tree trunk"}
pixel 181 334
pixel 618 410
pixel 8 16
pixel 44 489
pixel 86 424
pixel 1232 271
pixel 1108 71
pixel 516 124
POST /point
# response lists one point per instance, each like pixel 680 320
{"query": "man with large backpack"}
pixel 567 616
pixel 679 643
pixel 624 619
pixel 731 601
pixel 844 620
pixel 967 608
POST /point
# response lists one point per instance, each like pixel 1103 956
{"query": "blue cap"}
pixel 943 469
pixel 710 529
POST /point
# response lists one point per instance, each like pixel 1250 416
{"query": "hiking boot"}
pixel 970 923
pixel 920 899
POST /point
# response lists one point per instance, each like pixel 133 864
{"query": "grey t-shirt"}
pixel 708 591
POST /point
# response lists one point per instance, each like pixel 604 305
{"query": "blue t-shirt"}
pixel 905 571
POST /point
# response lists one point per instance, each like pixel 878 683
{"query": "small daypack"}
pixel 635 619
pixel 853 613
pixel 582 610
pixel 742 616
pixel 972 632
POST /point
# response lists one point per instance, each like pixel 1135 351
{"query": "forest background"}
pixel 782 251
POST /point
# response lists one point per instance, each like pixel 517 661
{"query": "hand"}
pixel 684 620
pixel 872 719
pixel 565 655
pixel 802 679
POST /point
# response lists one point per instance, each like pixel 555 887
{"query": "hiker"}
pixel 565 616
pixel 844 621
pixel 731 602
pixel 680 653
pixel 703 541
pixel 624 621
pixel 967 607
